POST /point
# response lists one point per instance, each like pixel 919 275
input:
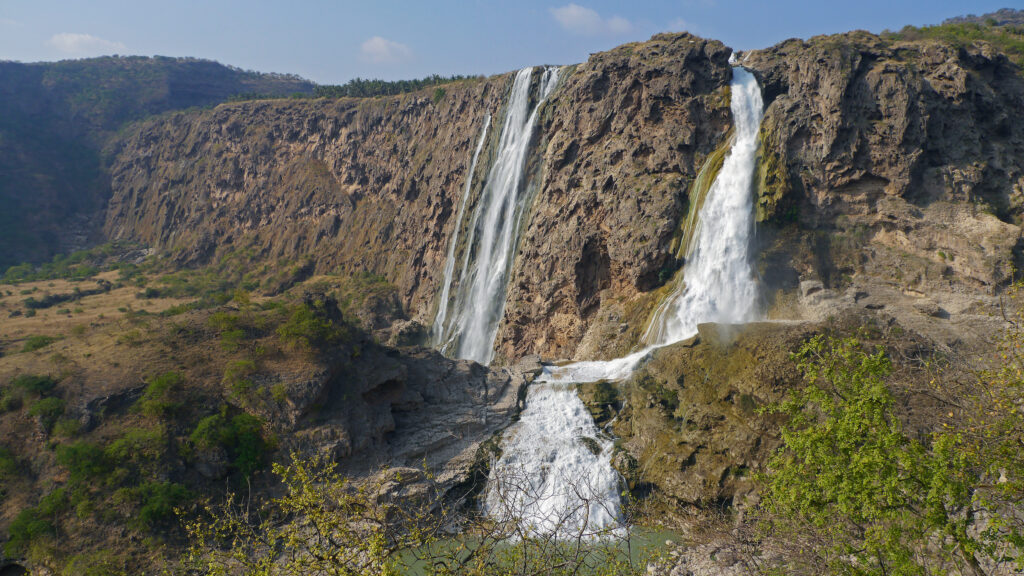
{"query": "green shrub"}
pixel 34 384
pixel 279 392
pixel 10 400
pixel 8 463
pixel 208 432
pixel 33 343
pixel 67 428
pixel 158 399
pixel 236 377
pixel 242 436
pixel 8 467
pixel 310 327
pixel 875 499
pixel 48 410
pixel 32 523
pixel 231 340
pixel 157 501
pixel 138 445
pixel 222 321
pixel 84 461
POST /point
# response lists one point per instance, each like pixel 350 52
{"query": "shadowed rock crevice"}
pixel 593 274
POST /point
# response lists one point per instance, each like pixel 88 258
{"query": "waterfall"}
pixel 555 473
pixel 554 476
pixel 718 283
pixel 437 332
pixel 494 229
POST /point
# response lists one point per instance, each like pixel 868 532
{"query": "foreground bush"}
pixel 325 525
pixel 852 492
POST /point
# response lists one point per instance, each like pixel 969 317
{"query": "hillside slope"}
pixel 55 119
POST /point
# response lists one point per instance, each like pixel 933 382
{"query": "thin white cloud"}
pixel 7 22
pixel 379 50
pixel 84 44
pixel 586 22
pixel 680 25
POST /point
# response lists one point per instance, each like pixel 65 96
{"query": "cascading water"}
pixel 550 476
pixel 718 283
pixel 555 474
pixel 494 231
pixel 437 332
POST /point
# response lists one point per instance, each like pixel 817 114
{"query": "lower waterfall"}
pixel 555 472
pixel 554 475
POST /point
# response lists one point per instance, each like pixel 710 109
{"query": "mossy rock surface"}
pixel 689 430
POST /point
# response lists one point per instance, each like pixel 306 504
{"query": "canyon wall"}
pixel 883 162
pixel 350 184
pixel 57 117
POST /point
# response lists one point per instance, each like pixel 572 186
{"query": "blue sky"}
pixel 333 41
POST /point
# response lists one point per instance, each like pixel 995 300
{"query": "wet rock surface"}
pixel 411 408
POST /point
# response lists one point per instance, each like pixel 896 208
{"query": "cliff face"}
pixel 625 134
pixel 373 184
pixel 365 185
pixel 905 159
pixel 884 163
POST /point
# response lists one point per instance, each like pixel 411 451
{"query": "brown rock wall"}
pixel 353 184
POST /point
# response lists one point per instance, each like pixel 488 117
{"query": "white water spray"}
pixel 567 485
pixel 494 230
pixel 554 476
pixel 437 332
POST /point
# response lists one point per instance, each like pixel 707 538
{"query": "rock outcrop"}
pixel 903 160
pixel 410 408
